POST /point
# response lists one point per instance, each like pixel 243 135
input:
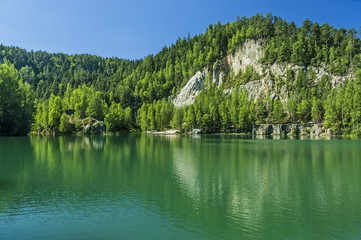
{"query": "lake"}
pixel 179 187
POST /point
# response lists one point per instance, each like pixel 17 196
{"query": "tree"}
pixel 278 111
pixel 244 111
pixel 191 117
pixel 38 125
pixel 260 110
pixel 316 111
pixel 128 118
pixel 292 109
pixel 96 107
pixel 27 108
pixel 331 119
pixel 55 112
pixel 65 126
pixel 16 102
pixel 66 98
pixel 356 112
pixel 80 100
pixel 234 109
pixel 303 110
pixel 114 119
pixel 224 112
pixel 177 121
pixel 151 117
pixel 243 121
pixel 142 117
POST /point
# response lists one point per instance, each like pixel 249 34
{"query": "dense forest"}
pixel 38 88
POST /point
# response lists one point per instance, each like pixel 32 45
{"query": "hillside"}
pixel 228 79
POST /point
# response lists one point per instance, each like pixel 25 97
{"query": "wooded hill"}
pixel 37 87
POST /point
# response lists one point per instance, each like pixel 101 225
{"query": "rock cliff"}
pixel 250 54
pixel 191 89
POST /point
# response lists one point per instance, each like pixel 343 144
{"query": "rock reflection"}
pixel 221 186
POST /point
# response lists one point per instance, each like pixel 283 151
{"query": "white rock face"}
pixel 190 90
pixel 250 54
pixel 218 75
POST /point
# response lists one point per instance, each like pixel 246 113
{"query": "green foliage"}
pixel 292 109
pixel 303 110
pixel 278 111
pixel 55 112
pixel 316 112
pixel 39 122
pixel 156 116
pixel 248 75
pixel 139 92
pixel 16 102
pixel 191 118
pixel 177 121
pixel 65 126
pixel 331 116
pixel 97 107
pixel 260 110
pixel 115 118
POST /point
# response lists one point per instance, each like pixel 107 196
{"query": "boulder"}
pixel 98 127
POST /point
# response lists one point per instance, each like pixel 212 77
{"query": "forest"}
pixel 37 89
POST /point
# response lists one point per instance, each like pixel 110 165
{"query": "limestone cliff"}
pixel 191 89
pixel 250 54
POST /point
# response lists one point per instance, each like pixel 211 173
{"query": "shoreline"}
pixel 313 130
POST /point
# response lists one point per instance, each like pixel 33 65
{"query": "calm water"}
pixel 174 187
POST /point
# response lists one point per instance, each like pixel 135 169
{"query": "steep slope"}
pixel 272 77
pixel 190 91
pixel 254 70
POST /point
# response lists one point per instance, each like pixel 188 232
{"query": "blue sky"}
pixel 133 29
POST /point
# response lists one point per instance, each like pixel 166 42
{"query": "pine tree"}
pixel 316 111
pixel 177 121
pixel 191 117
pixel 303 111
pixel 278 111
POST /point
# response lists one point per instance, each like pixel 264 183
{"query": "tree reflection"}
pixel 220 184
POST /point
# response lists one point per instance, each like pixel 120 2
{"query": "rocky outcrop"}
pixel 218 74
pixel 97 127
pixel 309 129
pixel 191 90
pixel 250 54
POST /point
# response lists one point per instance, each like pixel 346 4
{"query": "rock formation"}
pixel 191 90
pixel 250 54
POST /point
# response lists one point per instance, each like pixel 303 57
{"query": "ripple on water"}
pixel 182 188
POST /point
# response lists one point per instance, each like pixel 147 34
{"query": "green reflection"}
pixel 221 187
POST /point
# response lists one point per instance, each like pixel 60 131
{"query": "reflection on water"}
pixel 184 187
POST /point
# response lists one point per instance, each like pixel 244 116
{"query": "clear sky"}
pixel 133 29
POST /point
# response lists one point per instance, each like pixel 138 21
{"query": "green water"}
pixel 179 187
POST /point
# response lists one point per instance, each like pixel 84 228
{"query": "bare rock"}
pixel 98 127
pixel 272 77
pixel 190 90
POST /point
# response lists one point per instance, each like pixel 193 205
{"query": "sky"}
pixel 133 29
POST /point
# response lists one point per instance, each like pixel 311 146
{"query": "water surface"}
pixel 179 187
